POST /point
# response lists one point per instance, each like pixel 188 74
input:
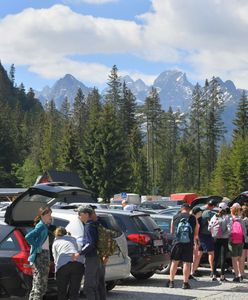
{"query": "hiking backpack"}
pixel 237 234
pixel 106 244
pixel 215 227
pixel 184 230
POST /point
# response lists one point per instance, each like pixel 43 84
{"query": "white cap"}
pixel 223 206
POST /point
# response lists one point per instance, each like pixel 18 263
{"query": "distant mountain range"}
pixel 173 87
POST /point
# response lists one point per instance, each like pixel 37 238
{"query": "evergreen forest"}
pixel 115 145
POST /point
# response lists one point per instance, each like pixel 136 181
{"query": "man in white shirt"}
pixel 126 206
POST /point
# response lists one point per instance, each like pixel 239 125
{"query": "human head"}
pixel 236 209
pixel 211 204
pixel 124 203
pixel 60 231
pixel 196 211
pixel 223 206
pixel 244 212
pixel 93 216
pixel 85 213
pixel 185 207
pixel 44 214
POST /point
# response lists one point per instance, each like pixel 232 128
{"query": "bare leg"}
pixel 211 260
pixel 173 269
pixel 196 261
pixel 235 266
pixel 186 271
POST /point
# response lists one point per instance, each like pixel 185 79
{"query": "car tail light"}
pixel 21 258
pixel 142 239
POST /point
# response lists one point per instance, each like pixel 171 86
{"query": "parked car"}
pixel 152 206
pixel 14 250
pixel 201 201
pixel 171 211
pixel 147 246
pixel 77 204
pixel 119 264
pixel 164 223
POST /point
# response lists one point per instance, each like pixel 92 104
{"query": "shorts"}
pixel 236 249
pixel 182 252
pixel 245 246
pixel 206 243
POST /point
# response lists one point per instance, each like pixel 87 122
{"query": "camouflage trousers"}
pixel 40 275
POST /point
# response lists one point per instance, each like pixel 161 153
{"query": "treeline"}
pixel 115 145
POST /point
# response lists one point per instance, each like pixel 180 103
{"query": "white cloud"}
pixel 209 36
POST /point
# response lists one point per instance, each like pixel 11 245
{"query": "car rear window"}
pixel 60 222
pixel 145 223
pixel 10 243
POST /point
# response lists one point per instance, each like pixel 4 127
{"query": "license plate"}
pixel 158 243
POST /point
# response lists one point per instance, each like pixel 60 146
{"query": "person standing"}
pixel 244 215
pixel 205 237
pixel 236 242
pixel 126 206
pixel 39 257
pixel 69 265
pixel 184 225
pixel 219 228
pixel 89 250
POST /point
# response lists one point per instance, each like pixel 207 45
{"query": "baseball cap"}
pixel 223 206
pixel 211 202
pixel 195 210
pixel 85 210
pixel 236 205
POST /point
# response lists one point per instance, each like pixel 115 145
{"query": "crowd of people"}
pixel 73 258
pixel 213 232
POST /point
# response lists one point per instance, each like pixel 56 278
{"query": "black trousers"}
pixel 68 280
pixel 220 251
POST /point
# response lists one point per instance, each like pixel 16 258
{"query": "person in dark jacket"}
pixel 89 250
pixel 39 253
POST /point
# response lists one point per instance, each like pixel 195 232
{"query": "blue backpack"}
pixel 184 231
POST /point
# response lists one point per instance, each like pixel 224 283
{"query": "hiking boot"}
pixel 170 284
pixel 186 286
pixel 236 279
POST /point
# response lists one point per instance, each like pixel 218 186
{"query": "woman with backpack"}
pixel 219 228
pixel 236 242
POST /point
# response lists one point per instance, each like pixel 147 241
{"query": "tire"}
pixel 110 285
pixel 141 276
pixel 164 270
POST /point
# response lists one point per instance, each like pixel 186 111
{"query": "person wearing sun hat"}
pixel 219 228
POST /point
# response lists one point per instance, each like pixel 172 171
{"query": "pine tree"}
pixel 241 120
pixel 113 95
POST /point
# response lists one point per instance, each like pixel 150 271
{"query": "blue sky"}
pixel 48 39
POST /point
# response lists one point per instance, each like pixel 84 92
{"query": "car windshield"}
pixel 145 223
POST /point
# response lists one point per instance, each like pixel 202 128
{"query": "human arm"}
pixel 34 234
pixel 90 239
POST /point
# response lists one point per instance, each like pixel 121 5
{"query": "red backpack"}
pixel 237 234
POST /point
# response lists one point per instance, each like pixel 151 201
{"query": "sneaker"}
pixel 186 286
pixel 211 275
pixel 170 284
pixel 241 278
pixel 214 278
pixel 236 279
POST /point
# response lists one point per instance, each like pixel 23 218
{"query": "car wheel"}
pixel 164 270
pixel 110 285
pixel 143 275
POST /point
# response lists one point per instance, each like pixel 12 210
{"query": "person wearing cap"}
pixel 89 250
pixel 236 247
pixel 205 237
pixel 182 251
pixel 219 228
pixel 197 212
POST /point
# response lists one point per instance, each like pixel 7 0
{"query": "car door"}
pixel 24 209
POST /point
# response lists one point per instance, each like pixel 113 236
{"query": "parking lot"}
pixel 154 288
